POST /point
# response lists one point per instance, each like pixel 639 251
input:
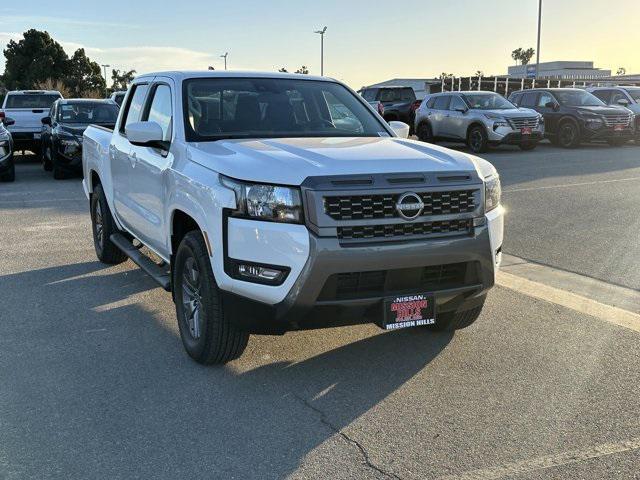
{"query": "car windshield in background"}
pixel 635 94
pixel 31 101
pixel 262 107
pixel 106 113
pixel 487 101
pixel 573 98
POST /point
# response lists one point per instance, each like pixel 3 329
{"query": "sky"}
pixel 366 41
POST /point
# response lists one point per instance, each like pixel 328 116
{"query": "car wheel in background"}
pixel 477 139
pixel 58 173
pixel 425 134
pixel 528 146
pixel 46 159
pixel 617 142
pixel 568 134
pixel 10 176
pixel 207 333
pixel 103 226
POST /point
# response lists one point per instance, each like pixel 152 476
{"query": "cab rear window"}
pixel 43 101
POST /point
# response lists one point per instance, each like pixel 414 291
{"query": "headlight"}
pixel 69 142
pixel 498 121
pixel 594 123
pixel 492 193
pixel 266 202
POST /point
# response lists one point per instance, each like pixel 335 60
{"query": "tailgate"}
pixel 27 119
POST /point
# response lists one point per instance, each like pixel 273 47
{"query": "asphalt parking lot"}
pixel 94 382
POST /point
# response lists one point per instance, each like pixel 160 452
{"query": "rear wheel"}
pixel 208 335
pixel 103 226
pixel 450 321
pixel 477 140
pixel 425 134
pixel 568 135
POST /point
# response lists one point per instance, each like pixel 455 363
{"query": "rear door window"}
pixel 604 95
pixel 457 103
pixel 33 101
pixel 442 102
pixel 545 98
pixel 529 99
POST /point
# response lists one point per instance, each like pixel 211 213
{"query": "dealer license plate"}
pixel 409 311
pixel 526 131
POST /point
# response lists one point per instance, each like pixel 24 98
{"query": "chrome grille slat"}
pixel 525 122
pixel 611 120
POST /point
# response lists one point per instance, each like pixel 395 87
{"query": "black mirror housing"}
pixel 8 121
pixel 46 121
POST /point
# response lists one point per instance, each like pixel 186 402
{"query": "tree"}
pixel 621 71
pixel 302 70
pixel 84 75
pixel 121 80
pixel 35 58
pixel 283 70
pixel 479 73
pixel 516 54
pixel 524 56
pixel 444 75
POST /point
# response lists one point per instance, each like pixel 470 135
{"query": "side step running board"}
pixel 154 270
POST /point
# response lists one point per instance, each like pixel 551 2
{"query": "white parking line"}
pixel 560 287
pixel 547 461
pixel 569 185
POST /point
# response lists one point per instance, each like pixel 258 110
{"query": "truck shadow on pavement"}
pixel 94 386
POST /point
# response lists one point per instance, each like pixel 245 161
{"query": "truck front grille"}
pixel 437 228
pixel 361 207
pixel 345 286
pixel 611 120
pixel 524 122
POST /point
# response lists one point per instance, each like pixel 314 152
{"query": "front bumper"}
pixel 310 304
pixel 69 158
pixel 508 136
pixel 608 133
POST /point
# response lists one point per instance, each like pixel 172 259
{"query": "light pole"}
pixel 539 28
pixel 105 78
pixel 321 33
pixel 225 59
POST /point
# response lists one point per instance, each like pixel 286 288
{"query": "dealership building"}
pixel 559 70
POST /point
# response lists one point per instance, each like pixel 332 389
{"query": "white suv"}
pixel 27 108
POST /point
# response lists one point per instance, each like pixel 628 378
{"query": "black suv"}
pixel 398 102
pixel 572 116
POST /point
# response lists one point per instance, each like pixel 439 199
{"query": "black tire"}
pixel 46 160
pixel 425 134
pixel 58 173
pixel 10 176
pixel 103 226
pixel 450 321
pixel 477 139
pixel 617 142
pixel 568 135
pixel 527 146
pixel 208 335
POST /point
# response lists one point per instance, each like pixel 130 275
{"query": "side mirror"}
pixel 552 105
pixel 623 101
pixel 145 134
pixel 46 121
pixel 401 129
pixel 8 121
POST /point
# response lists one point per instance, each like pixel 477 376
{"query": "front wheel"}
pixel 477 140
pixel 208 334
pixel 10 176
pixel 568 135
pixel 46 159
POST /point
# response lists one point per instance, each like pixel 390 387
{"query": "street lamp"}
pixel 539 28
pixel 321 33
pixel 104 67
pixel 225 59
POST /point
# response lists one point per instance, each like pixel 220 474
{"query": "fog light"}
pixel 266 274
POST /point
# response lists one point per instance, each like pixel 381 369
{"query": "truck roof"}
pixel 33 92
pixel 184 74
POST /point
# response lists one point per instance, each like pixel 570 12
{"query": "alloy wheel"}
pixel 191 298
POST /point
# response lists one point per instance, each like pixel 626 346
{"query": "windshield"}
pixel 577 98
pixel 266 107
pixel 88 113
pixel 635 94
pixel 487 101
pixel 29 100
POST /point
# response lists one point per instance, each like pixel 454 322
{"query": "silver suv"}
pixel 479 119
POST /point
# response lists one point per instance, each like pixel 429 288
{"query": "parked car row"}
pixel 44 123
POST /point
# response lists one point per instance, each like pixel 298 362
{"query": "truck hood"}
pixel 291 160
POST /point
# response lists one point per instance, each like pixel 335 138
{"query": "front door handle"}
pixel 133 158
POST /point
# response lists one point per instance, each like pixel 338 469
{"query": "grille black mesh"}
pixel 405 229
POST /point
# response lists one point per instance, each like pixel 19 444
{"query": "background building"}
pixel 559 70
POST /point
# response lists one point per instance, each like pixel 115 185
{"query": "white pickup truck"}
pixel 277 202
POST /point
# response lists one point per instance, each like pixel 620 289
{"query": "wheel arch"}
pixel 475 123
